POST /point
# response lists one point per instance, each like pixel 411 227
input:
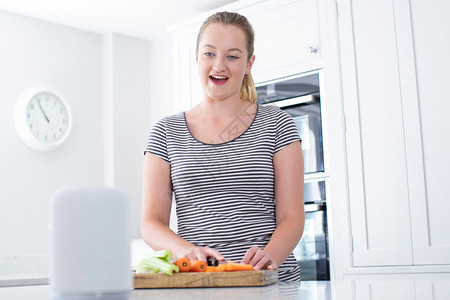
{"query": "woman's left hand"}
pixel 259 259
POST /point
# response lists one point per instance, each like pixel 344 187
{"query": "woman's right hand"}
pixel 202 253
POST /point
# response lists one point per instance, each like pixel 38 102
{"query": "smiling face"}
pixel 223 61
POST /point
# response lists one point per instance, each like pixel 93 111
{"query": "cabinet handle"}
pixel 312 50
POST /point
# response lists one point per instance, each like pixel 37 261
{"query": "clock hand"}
pixel 39 102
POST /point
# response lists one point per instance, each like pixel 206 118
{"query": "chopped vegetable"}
pixel 163 254
pixel 156 264
pixel 231 266
pixel 183 264
pixel 219 268
pixel 198 266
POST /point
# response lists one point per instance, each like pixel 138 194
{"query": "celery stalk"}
pixel 156 264
pixel 163 254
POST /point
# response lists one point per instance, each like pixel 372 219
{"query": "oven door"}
pixel 300 97
pixel 307 118
pixel 312 251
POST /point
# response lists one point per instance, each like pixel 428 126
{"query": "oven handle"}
pixel 294 101
pixel 314 207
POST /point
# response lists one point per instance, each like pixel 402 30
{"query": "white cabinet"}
pixel 394 109
pixel 384 290
pixel 400 287
pixel 287 41
pixel 432 289
pixel 430 162
pixel 287 37
pixel 377 169
pixel 187 88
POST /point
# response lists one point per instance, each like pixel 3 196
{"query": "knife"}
pixel 212 262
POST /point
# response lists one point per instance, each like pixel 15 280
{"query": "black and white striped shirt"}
pixel 225 192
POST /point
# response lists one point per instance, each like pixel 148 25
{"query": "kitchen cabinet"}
pixel 432 289
pixel 430 205
pixel 387 290
pixel 287 41
pixel 287 38
pixel 395 287
pixel 393 96
pixel 187 90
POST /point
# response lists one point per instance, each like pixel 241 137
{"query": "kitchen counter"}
pixel 381 288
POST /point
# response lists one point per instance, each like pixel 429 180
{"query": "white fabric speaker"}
pixel 90 244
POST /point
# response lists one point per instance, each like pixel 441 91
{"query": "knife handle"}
pixel 212 262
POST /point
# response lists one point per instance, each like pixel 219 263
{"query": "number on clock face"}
pixel 47 117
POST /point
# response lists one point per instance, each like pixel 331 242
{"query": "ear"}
pixel 250 62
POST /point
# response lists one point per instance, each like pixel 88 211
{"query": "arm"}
pixel 155 217
pixel 290 211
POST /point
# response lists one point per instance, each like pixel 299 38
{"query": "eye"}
pixel 233 57
pixel 209 54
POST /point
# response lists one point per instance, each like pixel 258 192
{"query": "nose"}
pixel 219 64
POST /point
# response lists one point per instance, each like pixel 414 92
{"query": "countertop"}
pixel 361 289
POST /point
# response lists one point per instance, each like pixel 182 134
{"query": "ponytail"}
pixel 248 89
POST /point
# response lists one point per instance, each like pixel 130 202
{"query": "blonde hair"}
pixel 248 90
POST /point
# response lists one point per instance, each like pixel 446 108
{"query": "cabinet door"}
pixel 437 289
pixel 286 37
pixel 187 88
pixel 376 158
pixel 384 290
pixel 430 203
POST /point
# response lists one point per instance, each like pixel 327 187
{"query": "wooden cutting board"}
pixel 205 279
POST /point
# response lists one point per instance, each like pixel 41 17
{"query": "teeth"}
pixel 219 77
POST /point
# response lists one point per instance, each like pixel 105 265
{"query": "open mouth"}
pixel 218 78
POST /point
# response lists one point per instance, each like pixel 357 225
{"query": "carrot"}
pixel 210 269
pixel 231 266
pixel 198 266
pixel 184 264
pixel 219 268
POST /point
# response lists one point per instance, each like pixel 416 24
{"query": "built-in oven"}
pixel 312 251
pixel 300 96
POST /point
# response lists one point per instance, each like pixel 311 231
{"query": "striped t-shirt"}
pixel 224 192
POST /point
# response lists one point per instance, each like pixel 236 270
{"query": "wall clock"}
pixel 43 118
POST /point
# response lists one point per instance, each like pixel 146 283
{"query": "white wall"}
pixel 161 76
pixel 161 89
pixel 131 117
pixel 141 95
pixel 36 53
pixel 106 80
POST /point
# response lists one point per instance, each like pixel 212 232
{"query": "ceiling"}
pixel 147 19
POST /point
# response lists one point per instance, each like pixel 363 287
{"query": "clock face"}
pixel 47 117
pixel 43 119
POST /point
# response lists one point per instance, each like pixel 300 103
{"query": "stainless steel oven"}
pixel 300 96
pixel 312 251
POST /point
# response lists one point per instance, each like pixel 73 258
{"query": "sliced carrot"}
pixel 219 268
pixel 184 264
pixel 231 266
pixel 198 266
pixel 210 269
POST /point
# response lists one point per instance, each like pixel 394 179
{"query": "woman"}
pixel 235 168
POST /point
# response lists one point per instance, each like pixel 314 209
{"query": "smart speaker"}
pixel 90 244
